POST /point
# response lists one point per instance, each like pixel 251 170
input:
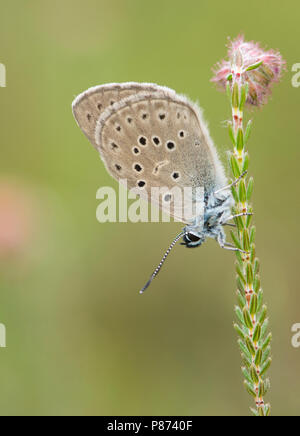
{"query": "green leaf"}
pixel 267 385
pixel 248 131
pixel 250 189
pixel 240 274
pixel 261 411
pixel 249 273
pixel 263 314
pixel 245 162
pixel 244 350
pixel 246 375
pixel 235 167
pixel 242 192
pixel 253 374
pixel 239 258
pixel 234 194
pixel 265 355
pixel 246 240
pixel 258 357
pixel 235 96
pixel 247 361
pixel 241 299
pixel 231 133
pixel 254 66
pixel 236 240
pixel 266 367
pixel 249 389
pixel 239 331
pixel 261 389
pixel 260 297
pixel 244 94
pixel 252 253
pixel 255 412
pixel 257 333
pixel 239 315
pixel 250 346
pixel 252 238
pixel 256 284
pixel 267 342
pixel 264 328
pixel 239 223
pixel 240 140
pixel 268 410
pixel 240 284
pixel 228 91
pixel 249 217
pixel 247 318
pixel 256 266
pixel 253 304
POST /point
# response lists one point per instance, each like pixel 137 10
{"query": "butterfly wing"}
pixel 152 138
pixel 90 105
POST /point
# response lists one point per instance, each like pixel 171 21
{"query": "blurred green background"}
pixel 80 340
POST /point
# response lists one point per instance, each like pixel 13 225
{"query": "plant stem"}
pixel 252 323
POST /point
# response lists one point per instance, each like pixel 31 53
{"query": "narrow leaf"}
pixel 258 357
pixel 248 131
pixel 247 318
pixel 250 189
pixel 266 367
pixel 257 333
pixel 250 346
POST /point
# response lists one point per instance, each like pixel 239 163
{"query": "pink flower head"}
pixel 250 63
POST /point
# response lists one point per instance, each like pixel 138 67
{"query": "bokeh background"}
pixel 80 340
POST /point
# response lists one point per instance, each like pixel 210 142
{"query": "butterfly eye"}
pixel 192 238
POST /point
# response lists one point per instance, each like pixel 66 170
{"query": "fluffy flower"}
pixel 248 62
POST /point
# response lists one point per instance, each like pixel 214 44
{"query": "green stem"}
pixel 252 324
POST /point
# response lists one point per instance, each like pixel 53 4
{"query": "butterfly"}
pixel 151 137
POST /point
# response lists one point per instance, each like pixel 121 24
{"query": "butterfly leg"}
pixel 223 244
pixel 232 248
pixel 232 184
pixel 237 216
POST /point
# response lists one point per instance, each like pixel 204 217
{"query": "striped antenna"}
pixel 162 262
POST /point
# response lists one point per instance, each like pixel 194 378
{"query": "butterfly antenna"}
pixel 162 262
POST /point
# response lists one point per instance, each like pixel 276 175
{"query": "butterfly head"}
pixel 192 239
